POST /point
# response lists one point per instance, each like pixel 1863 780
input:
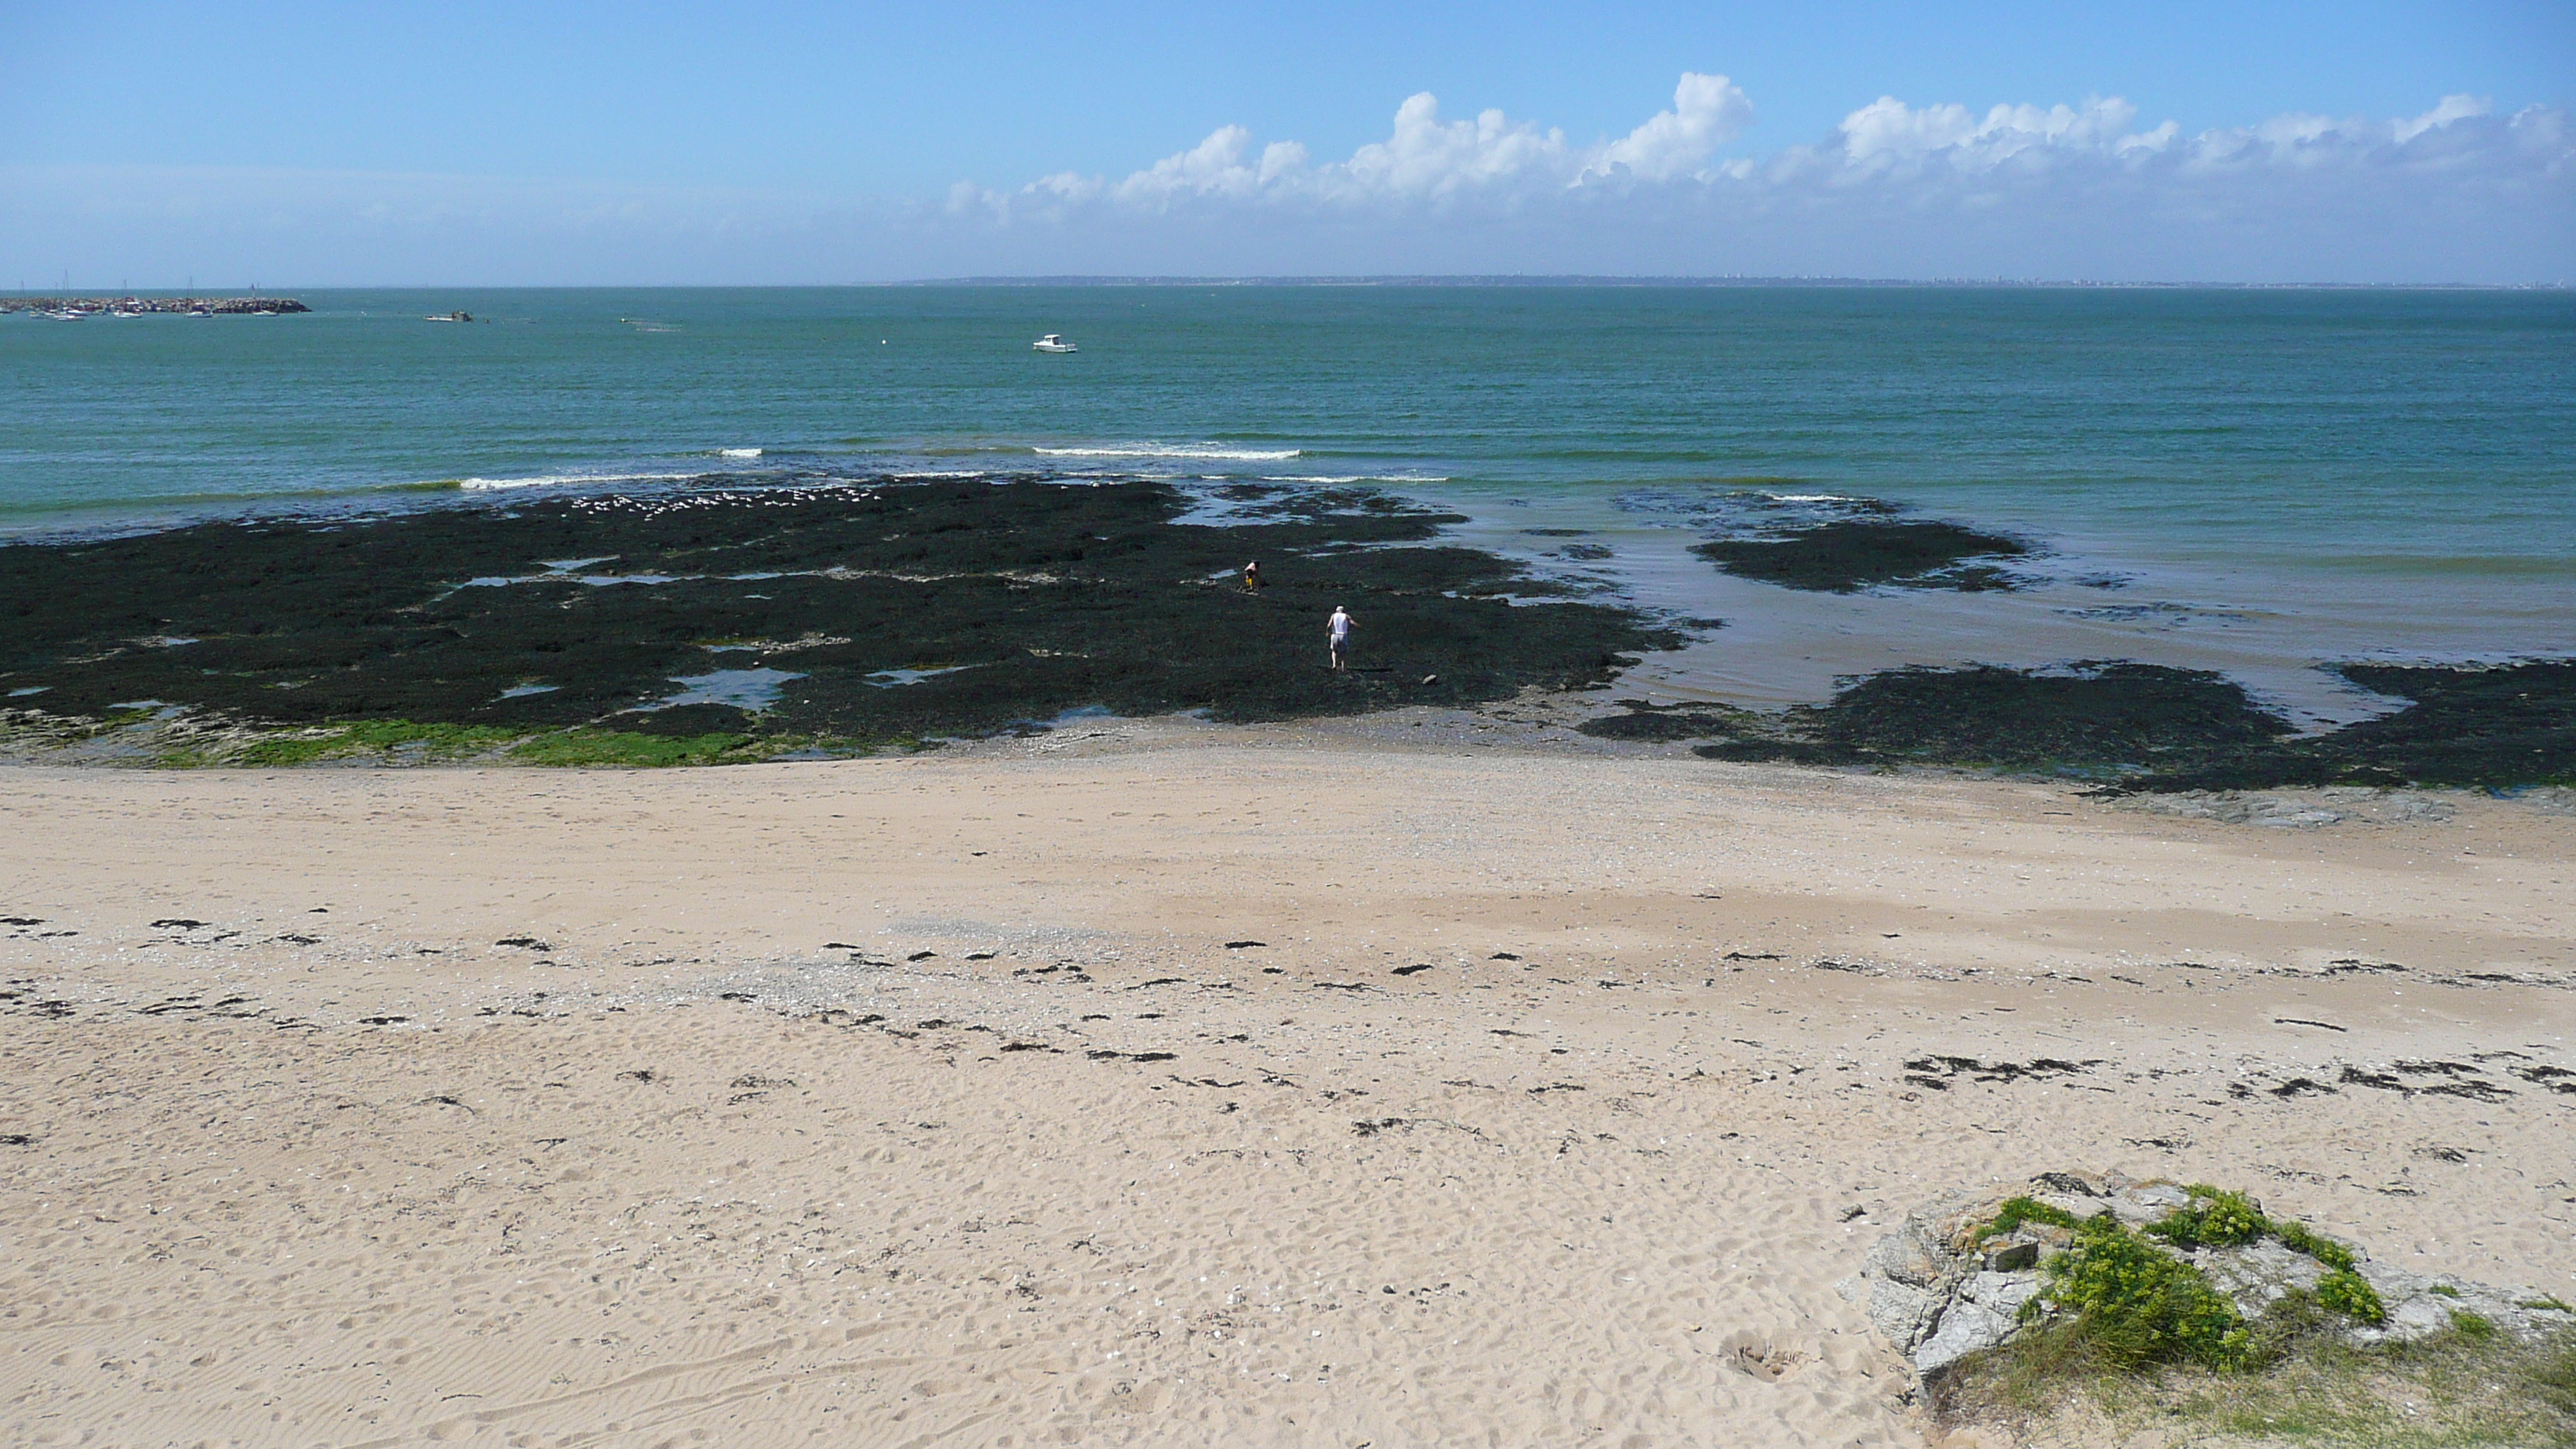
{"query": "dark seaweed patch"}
pixel 1038 597
pixel 2153 727
pixel 1855 553
pixel 2099 715
pixel 1659 724
pixel 1935 1071
pixel 2497 727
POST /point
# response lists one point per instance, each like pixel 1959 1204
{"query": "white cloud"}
pixel 1427 159
pixel 1214 167
pixel 2457 192
pixel 2452 108
pixel 1895 190
pixel 1708 111
pixel 1430 157
pixel 1888 134
pixel 1890 128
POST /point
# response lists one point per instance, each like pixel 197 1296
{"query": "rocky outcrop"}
pixel 1943 1286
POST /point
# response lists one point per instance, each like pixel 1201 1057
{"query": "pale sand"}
pixel 1596 1195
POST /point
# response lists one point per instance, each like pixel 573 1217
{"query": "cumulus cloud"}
pixel 1896 189
pixel 2460 191
pixel 1426 159
pixel 1708 111
pixel 1888 134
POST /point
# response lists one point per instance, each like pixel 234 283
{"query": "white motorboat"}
pixel 1053 343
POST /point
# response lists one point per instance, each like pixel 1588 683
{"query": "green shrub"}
pixel 2344 1291
pixel 2471 1326
pixel 2297 1238
pixel 2134 1304
pixel 2214 1218
pixel 2019 1210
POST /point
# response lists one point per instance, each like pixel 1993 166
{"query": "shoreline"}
pixel 482 1103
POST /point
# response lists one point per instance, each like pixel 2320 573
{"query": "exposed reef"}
pixel 2149 727
pixel 1857 553
pixel 2498 728
pixel 1830 542
pixel 834 611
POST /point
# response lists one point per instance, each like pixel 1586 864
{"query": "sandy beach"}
pixel 1154 1083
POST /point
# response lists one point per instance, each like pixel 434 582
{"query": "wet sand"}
pixel 1285 1085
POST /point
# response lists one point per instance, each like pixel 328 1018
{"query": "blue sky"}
pixel 574 144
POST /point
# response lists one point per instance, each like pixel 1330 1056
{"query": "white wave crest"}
pixel 1202 451
pixel 1347 478
pixel 737 452
pixel 562 480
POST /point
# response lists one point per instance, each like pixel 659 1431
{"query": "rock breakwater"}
pixel 208 306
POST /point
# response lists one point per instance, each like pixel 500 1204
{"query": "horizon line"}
pixel 1389 279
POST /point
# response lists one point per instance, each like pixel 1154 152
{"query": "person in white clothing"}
pixel 1337 632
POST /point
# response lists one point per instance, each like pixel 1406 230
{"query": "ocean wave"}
pixel 1199 451
pixel 560 480
pixel 1337 478
pixel 737 452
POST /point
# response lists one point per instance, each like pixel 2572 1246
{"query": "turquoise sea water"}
pixel 2250 480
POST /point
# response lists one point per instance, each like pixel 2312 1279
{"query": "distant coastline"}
pixel 214 306
pixel 1585 280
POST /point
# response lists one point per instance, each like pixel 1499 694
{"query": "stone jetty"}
pixel 213 306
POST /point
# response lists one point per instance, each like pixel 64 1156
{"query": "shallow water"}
pixel 2246 480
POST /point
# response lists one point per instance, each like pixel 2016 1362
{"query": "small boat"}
pixel 1053 343
pixel 451 317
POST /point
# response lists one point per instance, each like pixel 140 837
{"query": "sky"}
pixel 574 144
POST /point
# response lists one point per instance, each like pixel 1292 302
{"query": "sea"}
pixel 2255 481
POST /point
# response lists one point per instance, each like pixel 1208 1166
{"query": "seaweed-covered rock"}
pixel 886 610
pixel 1851 554
pixel 2493 726
pixel 2094 715
pixel 2156 729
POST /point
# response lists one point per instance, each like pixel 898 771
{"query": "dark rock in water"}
pixel 2092 715
pixel 868 612
pixel 1852 554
